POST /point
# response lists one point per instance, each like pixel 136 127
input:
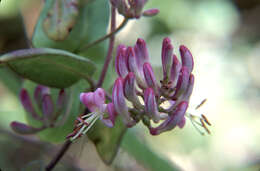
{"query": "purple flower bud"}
pixel 167 51
pixel 22 128
pixel 137 6
pixel 39 92
pixel 188 92
pixel 132 65
pixel 186 58
pixel 150 77
pixel 120 61
pixel 172 121
pixel 183 82
pixel 141 52
pixel 151 12
pixel 47 107
pixel 175 70
pixel 27 104
pixel 110 121
pixel 61 100
pixel 151 105
pixel 181 124
pixel 120 104
pixel 130 90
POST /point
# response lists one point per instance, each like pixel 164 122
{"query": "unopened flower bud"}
pixel 120 103
pixel 39 92
pixel 186 58
pixel 120 61
pixel 187 94
pixel 134 66
pixel 150 77
pixel 151 12
pixel 175 70
pixel 167 51
pixel 151 108
pixel 47 107
pixel 183 82
pixel 27 104
pixel 22 128
pixel 130 90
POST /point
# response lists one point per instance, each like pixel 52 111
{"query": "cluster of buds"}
pixel 137 84
pixel 49 113
pixel 132 8
pixel 95 102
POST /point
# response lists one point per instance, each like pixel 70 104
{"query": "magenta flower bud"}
pixel 120 61
pixel 39 92
pixel 47 107
pixel 61 100
pixel 132 65
pixel 150 77
pixel 110 121
pixel 187 94
pixel 120 104
pixel 172 121
pixel 151 12
pixel 22 128
pixel 186 58
pixel 137 6
pixel 183 82
pixel 167 51
pixel 175 70
pixel 141 52
pixel 181 124
pixel 151 105
pixel 27 104
pixel 130 90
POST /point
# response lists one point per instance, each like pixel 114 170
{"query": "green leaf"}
pixel 87 26
pixel 74 37
pixel 10 80
pixel 51 67
pixel 107 140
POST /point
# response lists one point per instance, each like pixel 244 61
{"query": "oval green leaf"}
pixel 50 67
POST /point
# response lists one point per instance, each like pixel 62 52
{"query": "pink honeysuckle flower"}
pixel 95 102
pixel 147 96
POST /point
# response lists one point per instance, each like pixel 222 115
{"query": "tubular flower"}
pixel 132 8
pixel 49 111
pixel 137 83
pixel 95 102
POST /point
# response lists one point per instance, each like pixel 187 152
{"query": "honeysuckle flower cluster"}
pixel 137 84
pixel 138 96
pixel 95 102
pixel 133 8
pixel 48 111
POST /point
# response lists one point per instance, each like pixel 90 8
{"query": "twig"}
pixel 57 158
pixel 110 48
pixel 105 37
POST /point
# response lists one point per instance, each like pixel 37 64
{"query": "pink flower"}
pixel 95 102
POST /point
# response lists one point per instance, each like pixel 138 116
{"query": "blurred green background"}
pixel 224 38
